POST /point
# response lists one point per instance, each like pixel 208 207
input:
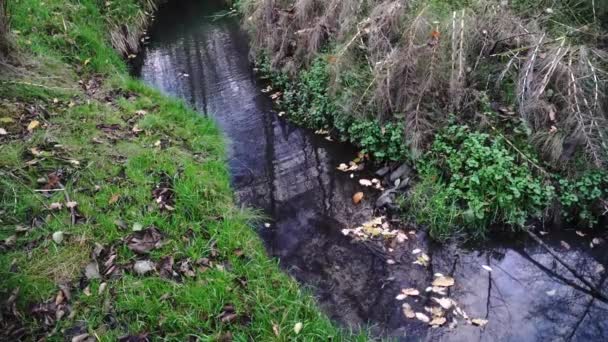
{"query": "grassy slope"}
pixel 111 175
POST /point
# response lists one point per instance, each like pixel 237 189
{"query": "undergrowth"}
pixel 528 79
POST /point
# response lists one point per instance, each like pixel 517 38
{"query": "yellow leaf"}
pixel 443 281
pixel 33 125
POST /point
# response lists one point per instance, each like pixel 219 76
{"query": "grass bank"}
pixel 501 105
pixel 117 219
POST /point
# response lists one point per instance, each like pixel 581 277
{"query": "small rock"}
pixel 58 237
pixel 142 267
pixel 383 171
pixel 403 170
pixel 91 271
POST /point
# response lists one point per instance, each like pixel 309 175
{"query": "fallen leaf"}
pixel 365 182
pixel 445 303
pixel 71 204
pixel 137 227
pixel 422 317
pixel 443 281
pixel 407 311
pixel 551 293
pixel 438 290
pixel 390 261
pixel 91 271
pixel 411 291
pixel 275 329
pixel 565 244
pixel 33 125
pixel 487 268
pixel 479 322
pixel 114 199
pixel 55 206
pixel 357 197
pixel 142 267
pixel 58 237
pixel 298 327
pixel 143 241
pixel 438 321
pixel 102 288
pixel 581 234
pixel 3 131
pixel 416 251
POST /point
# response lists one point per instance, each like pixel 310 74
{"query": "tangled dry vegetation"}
pixel 5 43
pixel 427 60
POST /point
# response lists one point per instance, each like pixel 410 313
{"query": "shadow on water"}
pixel 290 173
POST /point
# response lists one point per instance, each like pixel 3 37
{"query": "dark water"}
pixel 290 174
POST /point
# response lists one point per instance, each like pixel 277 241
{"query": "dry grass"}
pixel 6 46
pixel 424 65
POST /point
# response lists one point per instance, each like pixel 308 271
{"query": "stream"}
pixel 524 292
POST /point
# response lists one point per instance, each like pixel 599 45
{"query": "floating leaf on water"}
pixel 365 182
pixel 407 311
pixel 443 281
pixel 401 238
pixel 438 321
pixel 422 317
pixel 411 291
pixel 422 260
pixel 479 322
pixel 357 197
pixel 487 268
pixel 298 327
pixel 445 303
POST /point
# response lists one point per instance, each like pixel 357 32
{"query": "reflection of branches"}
pixel 563 279
pixel 596 291
pixel 581 319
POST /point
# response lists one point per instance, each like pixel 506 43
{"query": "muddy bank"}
pixel 290 173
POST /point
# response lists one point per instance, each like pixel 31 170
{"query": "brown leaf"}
pixel 357 197
pixel 143 241
pixel 443 281
pixel 165 267
pixel 114 199
pixel 275 329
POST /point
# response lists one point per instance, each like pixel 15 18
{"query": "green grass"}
pixel 111 176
